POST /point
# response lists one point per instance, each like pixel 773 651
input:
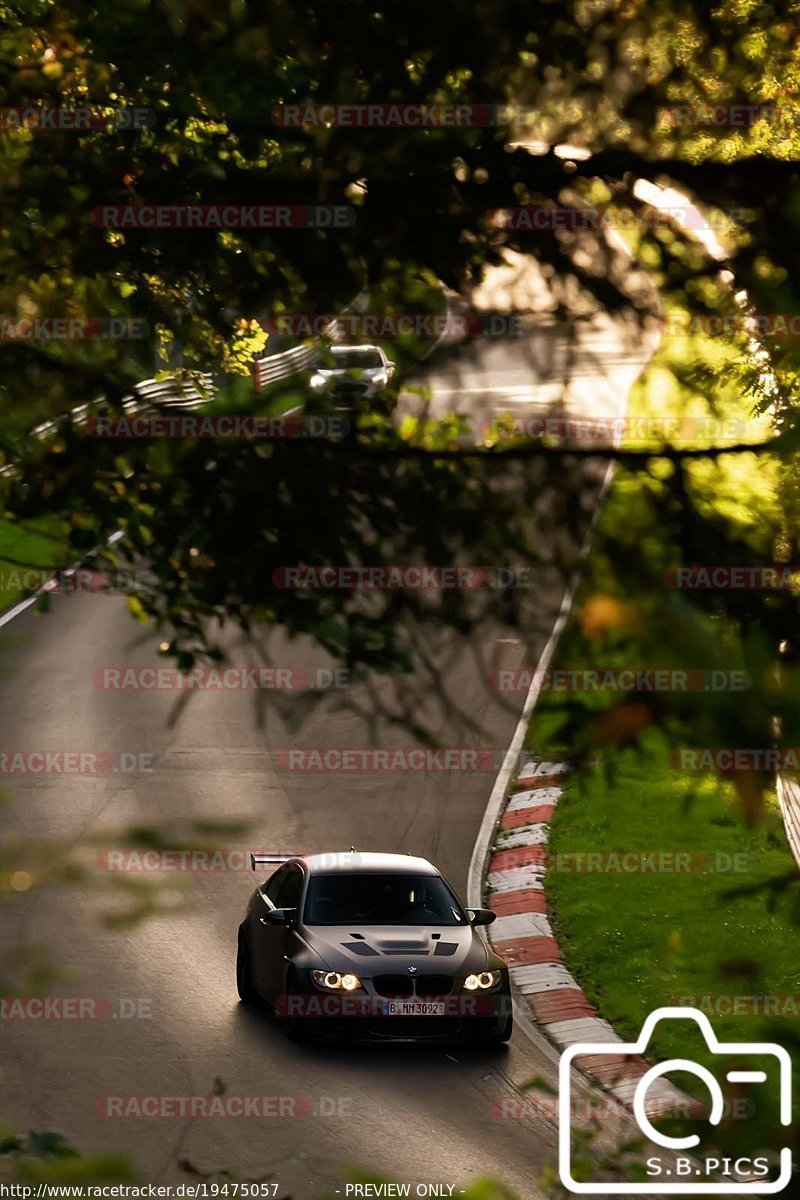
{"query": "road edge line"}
pixel 479 859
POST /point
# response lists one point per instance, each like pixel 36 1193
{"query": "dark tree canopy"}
pixel 215 519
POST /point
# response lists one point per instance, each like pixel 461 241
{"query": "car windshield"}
pixel 363 359
pixel 364 899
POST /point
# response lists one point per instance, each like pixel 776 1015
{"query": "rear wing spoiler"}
pixel 263 860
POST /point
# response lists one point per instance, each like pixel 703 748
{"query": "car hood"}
pixel 388 949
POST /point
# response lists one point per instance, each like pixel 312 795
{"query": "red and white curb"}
pixel 523 936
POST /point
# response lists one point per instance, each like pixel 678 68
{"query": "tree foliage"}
pixel 214 520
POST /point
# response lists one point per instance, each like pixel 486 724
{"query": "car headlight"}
pixel 332 981
pixel 482 982
pixel 316 381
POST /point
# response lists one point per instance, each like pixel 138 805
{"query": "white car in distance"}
pixel 358 372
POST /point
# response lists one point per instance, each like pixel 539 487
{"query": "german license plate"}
pixel 413 1008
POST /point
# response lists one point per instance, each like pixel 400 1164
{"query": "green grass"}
pixel 637 941
pixel 25 552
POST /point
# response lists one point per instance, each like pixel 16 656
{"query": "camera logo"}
pixel 675 1171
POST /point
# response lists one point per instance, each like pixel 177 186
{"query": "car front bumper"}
pixel 362 1016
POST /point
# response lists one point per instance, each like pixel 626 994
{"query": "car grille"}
pixel 434 985
pixel 351 388
pixel 425 986
pixel 393 985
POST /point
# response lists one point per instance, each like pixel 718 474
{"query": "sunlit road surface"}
pixel 419 1115
pixel 540 367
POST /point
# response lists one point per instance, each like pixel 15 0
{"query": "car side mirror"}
pixel 390 368
pixel 279 916
pixel 481 916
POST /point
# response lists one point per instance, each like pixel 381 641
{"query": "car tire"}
pixel 244 970
pixel 295 1028
pixel 503 1034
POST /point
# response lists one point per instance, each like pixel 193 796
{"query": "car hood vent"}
pixel 362 948
pixel 404 945
pixel 341 949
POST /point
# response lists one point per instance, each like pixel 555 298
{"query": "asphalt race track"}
pixel 417 1115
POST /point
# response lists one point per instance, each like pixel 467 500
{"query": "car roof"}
pixel 347 349
pixel 361 862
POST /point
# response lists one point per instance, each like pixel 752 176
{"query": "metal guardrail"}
pixel 268 368
pixel 789 800
pixel 171 390
pixel 272 367
pixel 183 393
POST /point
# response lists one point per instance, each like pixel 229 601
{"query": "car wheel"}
pixel 244 970
pixel 503 1034
pixel 296 1028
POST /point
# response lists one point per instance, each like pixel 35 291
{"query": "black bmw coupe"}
pixel 370 947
